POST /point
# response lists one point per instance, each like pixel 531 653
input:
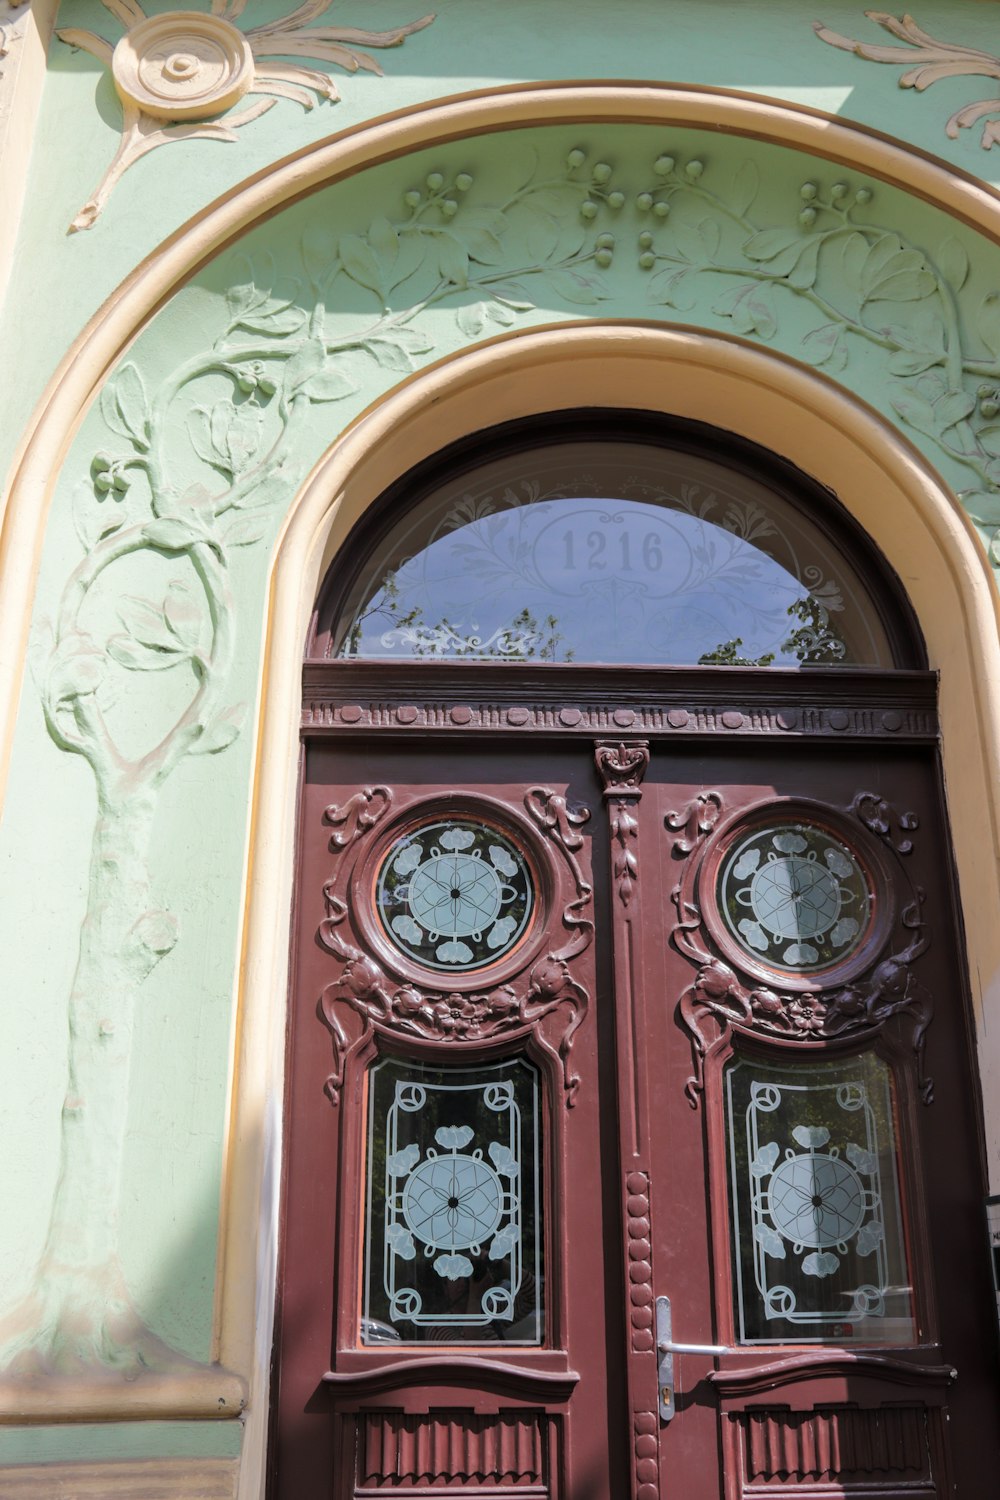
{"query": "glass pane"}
pixel 818 1248
pixel 610 552
pixel 794 896
pixel 454 894
pixel 453 1234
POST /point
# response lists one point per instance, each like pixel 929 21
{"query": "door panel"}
pixel 746 1060
pixel 402 1048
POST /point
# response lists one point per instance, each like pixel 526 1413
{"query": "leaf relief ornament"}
pixel 177 73
pixel 930 60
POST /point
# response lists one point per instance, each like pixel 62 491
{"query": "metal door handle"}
pixel 666 1348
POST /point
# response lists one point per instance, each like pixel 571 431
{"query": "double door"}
pixel 631 1144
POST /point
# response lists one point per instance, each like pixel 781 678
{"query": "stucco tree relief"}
pixel 236 415
pixel 197 468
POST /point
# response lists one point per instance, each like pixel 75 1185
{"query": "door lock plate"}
pixel 665 1365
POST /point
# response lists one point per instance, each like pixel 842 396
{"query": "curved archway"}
pixel 887 486
pixel 109 333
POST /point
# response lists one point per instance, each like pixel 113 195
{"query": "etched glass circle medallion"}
pixel 795 896
pixel 455 894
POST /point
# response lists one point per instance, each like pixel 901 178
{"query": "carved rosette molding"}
pixel 748 720
pixel 934 59
pixel 180 67
pixel 718 998
pixel 550 1006
pixel 621 768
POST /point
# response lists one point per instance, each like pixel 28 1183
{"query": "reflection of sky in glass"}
pixel 596 580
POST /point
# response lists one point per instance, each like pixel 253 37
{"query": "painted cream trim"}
pixel 203 1391
pixel 891 489
pixel 145 1479
pixel 17 126
pixel 797 412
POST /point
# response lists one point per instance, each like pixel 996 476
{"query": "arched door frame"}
pixel 888 487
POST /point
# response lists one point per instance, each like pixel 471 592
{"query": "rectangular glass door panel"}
pixel 818 1248
pixel 453 1238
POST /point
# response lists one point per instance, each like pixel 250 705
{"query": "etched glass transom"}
pixel 818 1248
pixel 454 894
pixel 616 551
pixel 452 1238
pixel 794 896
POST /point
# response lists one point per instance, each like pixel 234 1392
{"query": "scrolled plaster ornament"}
pixel 180 66
pixel 176 73
pixel 934 60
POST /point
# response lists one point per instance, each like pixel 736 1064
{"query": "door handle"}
pixel 666 1348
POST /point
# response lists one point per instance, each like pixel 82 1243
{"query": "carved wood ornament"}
pixel 549 1007
pixel 721 1000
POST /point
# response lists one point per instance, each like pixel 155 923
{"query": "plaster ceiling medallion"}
pixel 180 66
pixel 934 60
pixel 177 72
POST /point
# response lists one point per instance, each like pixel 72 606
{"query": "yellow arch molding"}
pixel 878 474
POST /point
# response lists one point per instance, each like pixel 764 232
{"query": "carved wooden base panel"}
pixel 884 1452
pixel 463 1452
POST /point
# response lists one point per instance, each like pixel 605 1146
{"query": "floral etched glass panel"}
pixel 453 1235
pixel 795 896
pixel 455 894
pixel 818 1248
pixel 610 552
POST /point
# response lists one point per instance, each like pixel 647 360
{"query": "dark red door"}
pixel 583 1027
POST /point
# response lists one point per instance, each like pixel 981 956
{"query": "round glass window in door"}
pixel 794 896
pixel 455 894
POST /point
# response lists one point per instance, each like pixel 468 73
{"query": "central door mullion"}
pixel 621 766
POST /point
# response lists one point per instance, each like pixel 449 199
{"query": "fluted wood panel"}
pixel 451 1447
pixel 836 1444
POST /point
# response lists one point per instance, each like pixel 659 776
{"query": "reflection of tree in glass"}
pixel 817 641
pixel 384 602
pixel 525 638
pixel 728 655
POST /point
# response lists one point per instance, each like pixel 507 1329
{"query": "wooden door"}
pixel 707 1044
pixel 448 1141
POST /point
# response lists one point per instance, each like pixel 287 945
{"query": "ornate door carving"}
pixel 584 1023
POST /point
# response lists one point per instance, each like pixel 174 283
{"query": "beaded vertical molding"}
pixel 176 73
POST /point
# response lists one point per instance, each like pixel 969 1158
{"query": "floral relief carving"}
pixel 191 476
pixel 177 72
pixel 882 819
pixel 357 815
pixel 432 1015
pixel 694 822
pixel 621 768
pixel 928 59
pixel 437 1016
pixel 868 286
pixel 718 995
